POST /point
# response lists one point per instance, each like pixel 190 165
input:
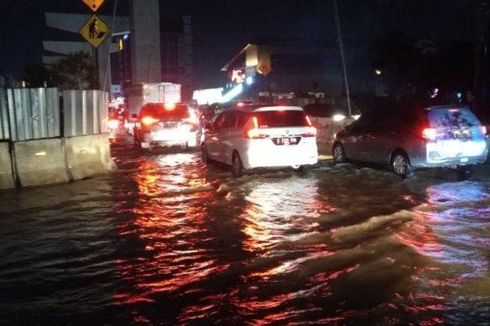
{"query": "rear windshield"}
pixel 162 112
pixel 281 118
pixel 457 118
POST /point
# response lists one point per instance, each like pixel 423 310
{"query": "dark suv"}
pixel 437 136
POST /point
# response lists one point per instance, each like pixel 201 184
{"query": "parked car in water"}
pixel 437 136
pixel 261 136
pixel 159 124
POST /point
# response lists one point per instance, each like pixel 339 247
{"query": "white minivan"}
pixel 260 136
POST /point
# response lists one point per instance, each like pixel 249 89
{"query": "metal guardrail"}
pixel 33 113
pixel 4 118
pixel 84 112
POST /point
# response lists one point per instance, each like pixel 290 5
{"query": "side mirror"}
pixel 134 116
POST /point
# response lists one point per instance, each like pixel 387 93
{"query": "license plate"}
pixel 286 141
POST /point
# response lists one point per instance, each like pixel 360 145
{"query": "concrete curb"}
pixel 6 175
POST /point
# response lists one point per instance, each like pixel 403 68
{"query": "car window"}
pixel 219 122
pixel 452 118
pixel 242 119
pixel 164 112
pixel 230 119
pixel 286 118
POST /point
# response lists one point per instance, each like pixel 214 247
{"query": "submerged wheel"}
pixel 400 164
pixel 237 165
pixel 338 153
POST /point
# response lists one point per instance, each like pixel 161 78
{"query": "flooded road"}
pixel 168 240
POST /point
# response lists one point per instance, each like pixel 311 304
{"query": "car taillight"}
pixel 254 131
pixel 308 120
pixel 191 119
pixel 429 133
pixel 310 133
pixel 149 121
pixel 483 130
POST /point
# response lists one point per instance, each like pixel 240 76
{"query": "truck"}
pixel 143 93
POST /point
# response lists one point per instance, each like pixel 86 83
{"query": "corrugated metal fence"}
pixel 4 123
pixel 85 112
pixel 34 113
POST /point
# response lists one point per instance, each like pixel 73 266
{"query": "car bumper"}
pixel 469 153
pixel 169 138
pixel 279 156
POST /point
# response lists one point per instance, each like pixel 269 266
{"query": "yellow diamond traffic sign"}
pixel 93 4
pixel 95 31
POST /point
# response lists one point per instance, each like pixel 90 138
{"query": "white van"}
pixel 259 136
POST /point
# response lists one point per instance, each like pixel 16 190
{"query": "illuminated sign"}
pixel 238 76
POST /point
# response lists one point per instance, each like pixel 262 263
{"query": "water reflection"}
pixel 280 211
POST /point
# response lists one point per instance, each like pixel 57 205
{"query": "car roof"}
pixel 266 107
pixel 448 106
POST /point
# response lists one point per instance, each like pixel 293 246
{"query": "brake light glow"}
pixel 149 120
pixel 192 119
pixel 169 106
pixel 254 132
pixel 429 133
pixel 308 120
pixel 483 130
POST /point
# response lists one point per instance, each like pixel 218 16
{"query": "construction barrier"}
pixel 87 156
pixel 6 175
pixel 40 162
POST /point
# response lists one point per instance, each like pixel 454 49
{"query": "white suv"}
pixel 256 136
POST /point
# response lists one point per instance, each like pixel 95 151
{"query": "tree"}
pixel 36 75
pixel 76 71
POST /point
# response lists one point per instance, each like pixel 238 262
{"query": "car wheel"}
pixel 338 154
pixel 400 164
pixel 298 168
pixel 237 165
pixel 204 154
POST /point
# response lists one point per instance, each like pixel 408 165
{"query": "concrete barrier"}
pixel 87 156
pixel 6 175
pixel 40 162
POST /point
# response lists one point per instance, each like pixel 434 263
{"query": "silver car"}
pixel 437 136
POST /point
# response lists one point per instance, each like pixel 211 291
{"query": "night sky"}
pixel 222 27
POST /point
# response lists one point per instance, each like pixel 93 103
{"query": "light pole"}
pixel 342 55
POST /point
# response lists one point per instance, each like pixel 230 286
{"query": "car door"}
pixel 379 138
pixel 226 136
pixel 354 138
pixel 212 139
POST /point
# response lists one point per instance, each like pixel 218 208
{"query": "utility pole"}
pixel 342 55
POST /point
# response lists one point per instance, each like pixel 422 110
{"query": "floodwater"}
pixel 168 240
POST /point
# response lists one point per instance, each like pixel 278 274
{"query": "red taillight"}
pixel 308 120
pixel 254 132
pixel 149 121
pixel 483 130
pixel 192 119
pixel 429 133
pixel 310 133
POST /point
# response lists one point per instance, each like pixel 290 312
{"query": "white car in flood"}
pixel 260 136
